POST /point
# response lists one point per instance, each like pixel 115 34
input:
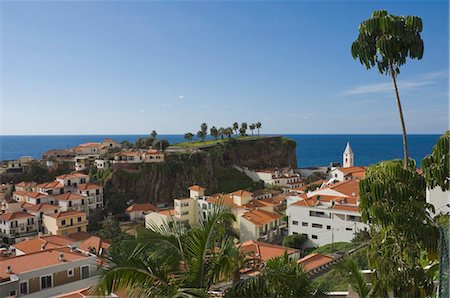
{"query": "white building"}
pixel 439 199
pixel 348 158
pixel 16 225
pixel 285 178
pixel 326 215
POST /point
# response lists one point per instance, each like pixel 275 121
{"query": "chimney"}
pixel 8 269
pixel 61 257
pixel 42 247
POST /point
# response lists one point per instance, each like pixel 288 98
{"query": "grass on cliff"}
pixel 200 143
pixel 231 180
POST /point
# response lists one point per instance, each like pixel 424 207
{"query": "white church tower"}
pixel 348 157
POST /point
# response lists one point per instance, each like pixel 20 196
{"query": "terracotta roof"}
pixel 317 182
pixel 88 185
pixel 78 236
pixel 30 194
pixel 49 242
pixel 128 153
pixel 94 242
pixel 72 176
pixel 90 145
pixel 260 217
pixel 67 214
pixel 220 199
pixel 167 212
pixel 349 188
pixel 242 193
pixel 39 207
pixel 52 184
pixel 350 170
pixel 35 261
pixel 7 216
pixel 141 207
pixel 153 151
pixel 69 196
pixel 26 184
pixel 265 251
pixel 314 260
pixel 196 188
pixel 346 207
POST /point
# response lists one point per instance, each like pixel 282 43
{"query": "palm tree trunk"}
pixel 399 105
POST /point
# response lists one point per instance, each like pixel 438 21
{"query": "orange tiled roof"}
pixel 220 199
pixel 39 207
pixel 48 242
pixel 167 212
pixel 94 242
pixel 78 236
pixel 242 193
pixel 350 170
pixel 69 196
pixel 346 207
pixel 73 175
pixel 260 217
pixel 26 184
pixel 314 260
pixel 141 207
pixel 67 214
pixel 30 194
pixel 196 188
pixel 35 261
pixel 7 216
pixel 52 184
pixel 265 251
pixel 349 188
pixel 88 185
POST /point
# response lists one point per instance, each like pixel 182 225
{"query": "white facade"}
pixel 439 199
pixel 17 225
pixel 348 157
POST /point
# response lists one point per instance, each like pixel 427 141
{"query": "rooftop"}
pixel 314 260
pixel 67 214
pixel 260 217
pixel 265 251
pixel 196 188
pixel 7 216
pixel 46 242
pixel 141 207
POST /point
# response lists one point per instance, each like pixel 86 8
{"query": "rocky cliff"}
pixel 210 167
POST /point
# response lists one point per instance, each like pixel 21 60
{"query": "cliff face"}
pixel 210 168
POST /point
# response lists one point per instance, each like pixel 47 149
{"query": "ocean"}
pixel 312 150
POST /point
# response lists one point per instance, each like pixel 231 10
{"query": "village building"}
pixel 259 225
pixel 326 215
pixel 314 261
pixel 286 179
pixel 138 211
pixel 46 273
pixel 349 171
pixel 42 243
pixel 261 252
pixel 149 156
pixel 15 166
pixel 17 225
pixel 25 186
pixel 65 223
pixel 38 211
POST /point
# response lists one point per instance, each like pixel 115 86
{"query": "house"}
pixel 17 225
pixel 261 252
pixel 72 201
pixel 439 199
pixel 42 243
pixel 53 187
pixel 15 166
pixel 128 157
pixel 260 225
pixel 25 186
pixel 95 245
pixel 138 211
pixel 72 180
pixel 90 148
pixel 94 196
pixel 314 261
pixel 328 214
pixel 31 197
pixel 153 155
pixel 286 179
pixel 46 273
pixel 65 223
pixel 349 171
pixel 38 211
pixel 102 164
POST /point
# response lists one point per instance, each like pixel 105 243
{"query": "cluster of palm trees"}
pixel 224 131
pixel 173 261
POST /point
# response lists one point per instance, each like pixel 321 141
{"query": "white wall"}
pixel 439 199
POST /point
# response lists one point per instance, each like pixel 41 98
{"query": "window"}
pixel 314 236
pixel 97 192
pixel 294 233
pixel 295 223
pixel 314 225
pixel 84 272
pixel 70 272
pixel 184 212
pixel 46 282
pixel 348 229
pixel 12 293
pixel 23 288
pixel 328 227
pixel 63 222
pixel 304 224
pixel 38 201
pixel 79 219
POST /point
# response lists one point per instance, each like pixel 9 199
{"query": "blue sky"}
pixel 131 67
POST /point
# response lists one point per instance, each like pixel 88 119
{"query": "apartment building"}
pixel 287 179
pixel 17 225
pixel 46 273
pixel 94 196
pixel 259 225
pixel 65 223
pixel 149 156
pixel 38 211
pixel 326 215
pixel 138 211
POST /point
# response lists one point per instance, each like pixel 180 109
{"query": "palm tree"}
pixel 258 126
pixel 188 136
pixel 204 128
pixel 214 132
pixel 358 282
pixel 221 132
pixel 243 129
pixel 154 134
pixel 228 131
pixel 279 278
pixel 169 261
pixel 386 41
pixel 235 128
pixel 202 135
pixel 252 127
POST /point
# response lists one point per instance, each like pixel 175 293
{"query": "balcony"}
pixel 75 224
pixel 282 225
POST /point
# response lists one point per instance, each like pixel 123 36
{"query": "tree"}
pixel 393 203
pixel 258 126
pixel 235 128
pixel 435 167
pixel 201 134
pixel 295 241
pixel 154 134
pixel 221 132
pixel 168 261
pixel 228 131
pixel 214 132
pixel 160 144
pixel 243 129
pixel 204 128
pixel 386 41
pixel 252 127
pixel 110 229
pixel 188 136
pixel 279 278
pixel 358 282
pixel 126 144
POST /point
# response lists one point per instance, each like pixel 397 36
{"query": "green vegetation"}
pixel 386 41
pixel 200 144
pixel 335 247
pixel 295 241
pixel 436 166
pixel 230 179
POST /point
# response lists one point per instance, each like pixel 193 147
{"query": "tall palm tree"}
pixel 202 135
pixel 214 132
pixel 154 134
pixel 221 132
pixel 357 280
pixel 235 128
pixel 170 261
pixel 252 127
pixel 386 41
pixel 188 136
pixel 258 126
pixel 229 132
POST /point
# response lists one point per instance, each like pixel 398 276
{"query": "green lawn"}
pixel 199 143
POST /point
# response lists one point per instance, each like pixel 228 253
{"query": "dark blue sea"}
pixel 312 150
